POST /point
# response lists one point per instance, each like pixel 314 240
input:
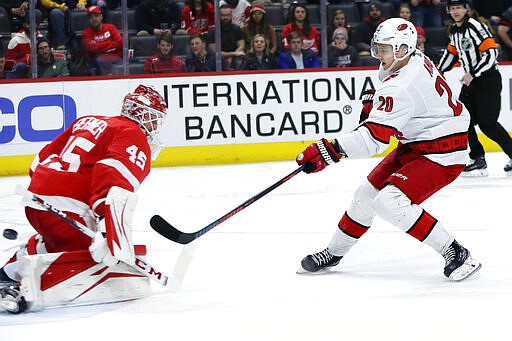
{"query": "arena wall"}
pixel 212 118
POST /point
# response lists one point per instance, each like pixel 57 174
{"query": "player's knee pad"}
pixel 395 207
pixel 362 207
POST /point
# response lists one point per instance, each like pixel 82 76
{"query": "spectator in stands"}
pixel 405 12
pixel 197 17
pixel 59 13
pixel 239 10
pixel 155 17
pixel 102 43
pixel 364 31
pixel 299 22
pixel 340 53
pixel 18 50
pixel 115 5
pixel 201 59
pixel 2 62
pixel 48 65
pixel 427 13
pixel 259 56
pixel 505 32
pixel 338 19
pixel 164 61
pixel 422 38
pixel 232 40
pixel 296 57
pixel 491 9
pixel 257 24
pixel 16 10
pixel 6 66
pixel 473 13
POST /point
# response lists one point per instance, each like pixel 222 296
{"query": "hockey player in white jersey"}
pixel 415 104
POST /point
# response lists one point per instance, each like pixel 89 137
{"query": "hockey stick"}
pixel 140 265
pixel 168 231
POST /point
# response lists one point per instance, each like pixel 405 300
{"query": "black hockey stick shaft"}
pixel 168 231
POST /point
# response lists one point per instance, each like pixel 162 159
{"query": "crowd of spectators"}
pixel 249 39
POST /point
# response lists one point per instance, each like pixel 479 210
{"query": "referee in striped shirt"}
pixel 472 44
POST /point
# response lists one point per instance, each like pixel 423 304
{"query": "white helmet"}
pixel 395 32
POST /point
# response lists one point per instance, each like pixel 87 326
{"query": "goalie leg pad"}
pixel 74 278
pixel 119 208
pixel 34 245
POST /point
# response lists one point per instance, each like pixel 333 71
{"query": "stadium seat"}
pixel 181 46
pixel 436 36
pixel 437 40
pixel 78 22
pixel 279 34
pixel 133 69
pixel 275 16
pixel 313 14
pixel 5 25
pixel 114 17
pixel 368 60
pixel 143 46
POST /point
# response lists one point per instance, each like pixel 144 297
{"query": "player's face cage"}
pixel 149 119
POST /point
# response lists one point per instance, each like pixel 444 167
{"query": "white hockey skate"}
pixel 459 263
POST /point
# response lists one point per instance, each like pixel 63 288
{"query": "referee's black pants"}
pixel 482 98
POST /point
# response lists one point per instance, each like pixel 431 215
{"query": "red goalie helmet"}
pixel 146 107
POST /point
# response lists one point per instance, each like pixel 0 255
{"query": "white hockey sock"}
pixel 341 243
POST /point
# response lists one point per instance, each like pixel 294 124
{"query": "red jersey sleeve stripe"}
pixel 380 132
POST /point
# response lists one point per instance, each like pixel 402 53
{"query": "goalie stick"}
pixel 141 265
pixel 168 231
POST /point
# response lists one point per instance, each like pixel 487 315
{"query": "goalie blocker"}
pixel 119 208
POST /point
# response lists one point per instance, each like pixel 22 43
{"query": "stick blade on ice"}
pixel 168 231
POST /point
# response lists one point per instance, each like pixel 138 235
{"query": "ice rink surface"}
pixel 241 284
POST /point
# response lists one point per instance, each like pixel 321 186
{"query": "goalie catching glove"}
pixel 319 155
pixel 367 104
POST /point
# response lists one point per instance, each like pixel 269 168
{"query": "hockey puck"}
pixel 10 234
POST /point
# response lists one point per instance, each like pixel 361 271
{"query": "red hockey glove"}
pixel 319 155
pixel 367 104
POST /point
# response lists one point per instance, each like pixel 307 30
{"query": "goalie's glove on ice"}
pixel 367 104
pixel 100 251
pixel 319 155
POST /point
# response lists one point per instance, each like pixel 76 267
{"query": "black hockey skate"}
pixel 459 264
pixel 319 261
pixel 508 168
pixel 11 298
pixel 477 167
